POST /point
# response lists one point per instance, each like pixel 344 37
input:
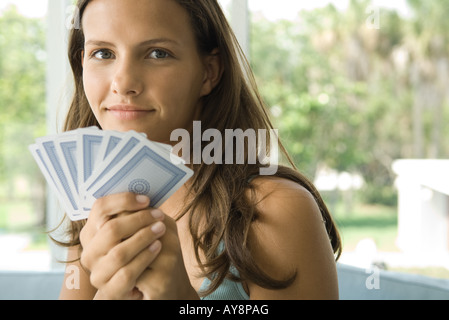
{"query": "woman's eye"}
pixel 103 54
pixel 159 54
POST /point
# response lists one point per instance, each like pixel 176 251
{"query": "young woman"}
pixel 154 66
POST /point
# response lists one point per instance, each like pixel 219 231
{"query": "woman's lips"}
pixel 128 112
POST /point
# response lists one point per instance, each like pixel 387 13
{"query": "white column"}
pixel 240 22
pixel 59 90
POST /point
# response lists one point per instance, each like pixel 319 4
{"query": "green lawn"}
pixel 380 224
pixel 368 221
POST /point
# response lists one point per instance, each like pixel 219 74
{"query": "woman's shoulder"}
pixel 289 234
pixel 276 191
pixel 284 205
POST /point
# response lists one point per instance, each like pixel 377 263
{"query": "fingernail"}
pixel 158 228
pixel 142 199
pixel 157 214
pixel 155 246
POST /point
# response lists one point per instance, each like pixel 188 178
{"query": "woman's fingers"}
pixel 120 240
pixel 167 278
pixel 146 239
pixel 122 285
pixel 106 208
pixel 115 231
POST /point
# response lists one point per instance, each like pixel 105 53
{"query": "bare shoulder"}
pixel 289 237
pixel 272 189
pixel 285 201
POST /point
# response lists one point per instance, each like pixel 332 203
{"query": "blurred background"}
pixel 358 90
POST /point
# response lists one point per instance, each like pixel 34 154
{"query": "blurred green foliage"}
pixel 22 88
pixel 22 107
pixel 349 95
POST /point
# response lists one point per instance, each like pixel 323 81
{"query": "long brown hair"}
pixel 219 193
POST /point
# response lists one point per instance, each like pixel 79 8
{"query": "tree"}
pixel 350 96
pixel 429 75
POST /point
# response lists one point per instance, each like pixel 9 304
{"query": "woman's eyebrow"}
pixel 141 44
pixel 99 43
pixel 157 41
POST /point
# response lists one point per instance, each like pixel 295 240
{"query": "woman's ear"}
pixel 213 72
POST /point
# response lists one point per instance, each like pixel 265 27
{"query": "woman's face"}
pixel 141 67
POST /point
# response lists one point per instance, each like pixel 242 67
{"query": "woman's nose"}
pixel 127 80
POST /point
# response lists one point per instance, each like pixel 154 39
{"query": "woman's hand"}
pixel 120 240
pixel 167 278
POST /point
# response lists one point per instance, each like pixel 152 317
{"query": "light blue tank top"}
pixel 228 290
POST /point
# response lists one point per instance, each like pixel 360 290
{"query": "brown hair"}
pixel 219 192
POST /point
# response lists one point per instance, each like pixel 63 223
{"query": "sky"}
pixel 273 10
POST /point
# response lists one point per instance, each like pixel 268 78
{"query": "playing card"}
pixel 68 195
pixel 85 164
pixel 147 170
pixel 110 140
pixel 124 147
pixel 66 148
pixel 37 154
pixel 89 143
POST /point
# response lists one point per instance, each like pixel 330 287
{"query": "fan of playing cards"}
pixel 86 164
